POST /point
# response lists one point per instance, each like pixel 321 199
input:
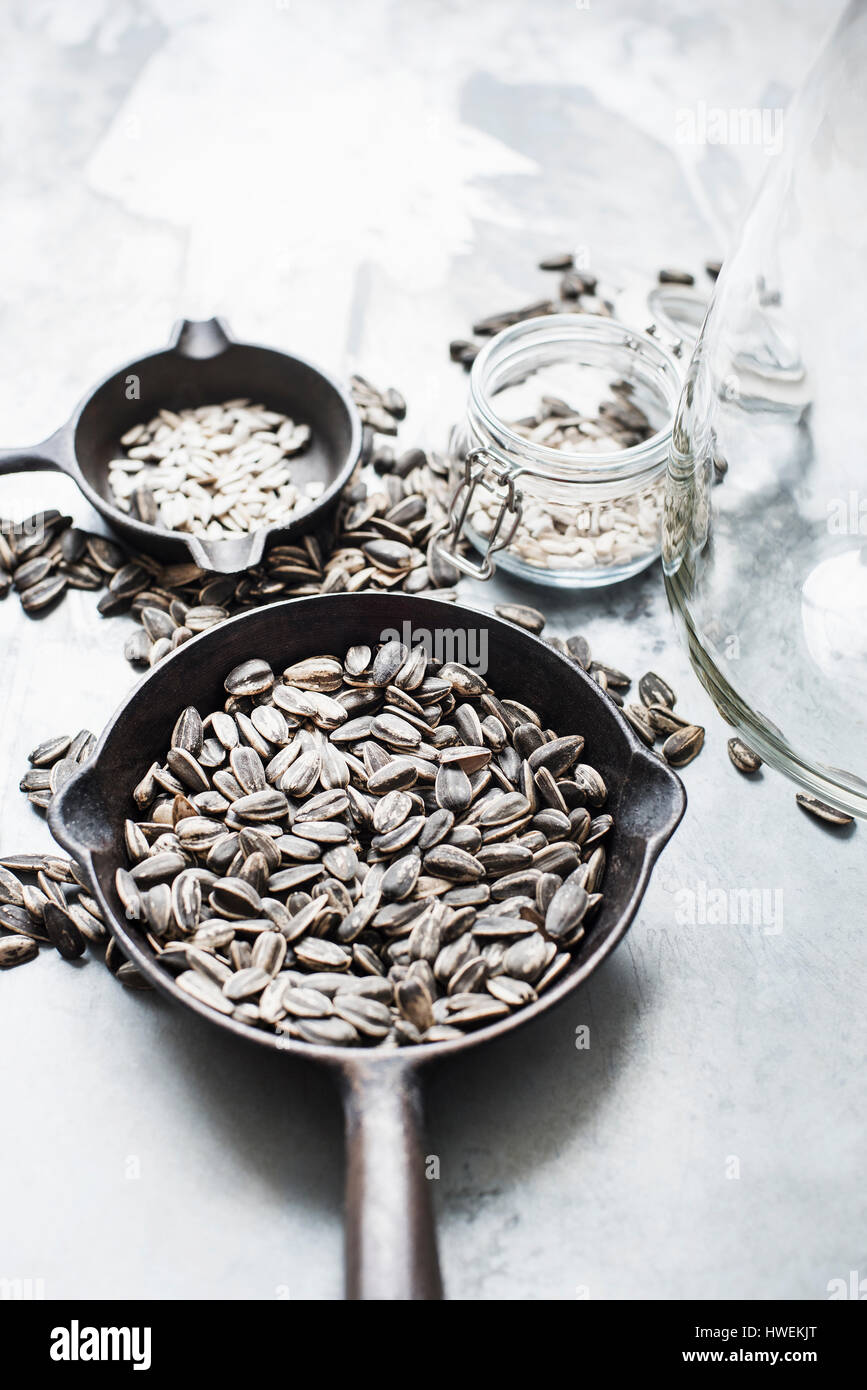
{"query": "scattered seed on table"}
pixel 742 757
pixel 522 616
pixel 822 811
pixel 680 748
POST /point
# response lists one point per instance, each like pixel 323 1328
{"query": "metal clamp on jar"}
pixel 579 409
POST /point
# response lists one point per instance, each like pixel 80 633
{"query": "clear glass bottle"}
pixel 577 516
pixel 765 535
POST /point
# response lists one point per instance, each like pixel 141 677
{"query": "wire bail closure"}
pixel 481 469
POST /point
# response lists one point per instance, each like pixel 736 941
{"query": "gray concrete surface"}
pixel 357 181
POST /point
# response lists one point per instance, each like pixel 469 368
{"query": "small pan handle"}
pixel 391 1250
pixel 52 455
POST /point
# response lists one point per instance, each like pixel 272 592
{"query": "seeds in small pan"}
pixel 187 770
pixel 742 757
pixel 464 681
pixel 680 748
pixel 157 868
pixel 822 811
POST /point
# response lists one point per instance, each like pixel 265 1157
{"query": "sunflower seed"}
pixel 511 991
pixel 48 752
pixel 680 748
pixel 16 950
pixel 320 954
pixel 62 932
pixel 654 691
pixel 638 717
pixel 414 1003
pixel 250 678
pixel 328 1032
pixel 822 811
pixel 742 757
pixel 566 909
pixel 371 880
pixel 529 618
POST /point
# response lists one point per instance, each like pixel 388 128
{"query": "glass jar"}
pixel 588 512
pixel 765 549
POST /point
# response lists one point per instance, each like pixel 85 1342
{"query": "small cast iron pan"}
pixel 390 1241
pixel 202 365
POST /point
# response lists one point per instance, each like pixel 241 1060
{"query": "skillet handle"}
pixel 52 455
pixel 391 1250
pixel 77 819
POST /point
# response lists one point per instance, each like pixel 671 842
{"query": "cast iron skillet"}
pixel 201 365
pixel 390 1240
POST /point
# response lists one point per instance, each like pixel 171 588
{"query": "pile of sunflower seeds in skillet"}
pixel 373 849
pixel 652 716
